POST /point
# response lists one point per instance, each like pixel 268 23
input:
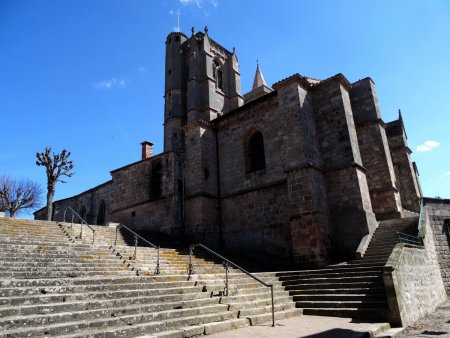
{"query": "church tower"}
pixel 202 83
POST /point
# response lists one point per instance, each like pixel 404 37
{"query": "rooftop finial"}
pixel 400 115
pixel 206 29
pixel 193 30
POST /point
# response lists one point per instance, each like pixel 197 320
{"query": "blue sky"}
pixel 87 75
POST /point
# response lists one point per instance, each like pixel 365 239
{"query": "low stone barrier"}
pixel 413 281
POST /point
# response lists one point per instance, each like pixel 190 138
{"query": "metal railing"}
pixel 405 238
pixel 82 222
pixel 138 237
pixel 227 263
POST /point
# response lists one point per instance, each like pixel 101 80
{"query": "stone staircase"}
pixel 53 284
pixel 353 289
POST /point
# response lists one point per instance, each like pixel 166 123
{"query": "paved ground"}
pixel 436 324
pixel 305 326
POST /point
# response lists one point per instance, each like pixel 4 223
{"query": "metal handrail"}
pixel 405 238
pixel 226 263
pixel 136 239
pixel 81 224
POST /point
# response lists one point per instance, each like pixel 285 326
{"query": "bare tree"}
pixel 56 165
pixel 17 195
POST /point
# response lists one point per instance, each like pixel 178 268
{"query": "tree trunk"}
pixel 50 193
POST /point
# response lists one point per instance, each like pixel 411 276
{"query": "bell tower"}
pixel 202 83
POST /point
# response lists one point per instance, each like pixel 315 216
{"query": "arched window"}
pixel 217 74
pixel 101 213
pixel 256 159
pixel 156 180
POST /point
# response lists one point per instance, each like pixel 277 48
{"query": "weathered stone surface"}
pixel 323 169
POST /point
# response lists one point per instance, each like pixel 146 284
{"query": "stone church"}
pixel 299 172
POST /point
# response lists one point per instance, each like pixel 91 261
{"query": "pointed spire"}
pixel 259 78
pixel 400 118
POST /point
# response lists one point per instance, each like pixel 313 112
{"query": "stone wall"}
pixel 257 222
pixel 87 205
pixel 413 281
pixel 140 203
pixel 438 211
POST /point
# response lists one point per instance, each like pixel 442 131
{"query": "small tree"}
pixel 56 165
pixel 17 195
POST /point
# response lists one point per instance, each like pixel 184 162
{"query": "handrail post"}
pixel 115 240
pixel 191 266
pixel 93 236
pixel 135 246
pixel 225 264
pixel 71 224
pixel 273 306
pixel 157 271
pixel 64 221
pixel 81 230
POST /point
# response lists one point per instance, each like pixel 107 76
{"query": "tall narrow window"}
pixel 217 74
pixel 156 180
pixel 101 213
pixel 256 159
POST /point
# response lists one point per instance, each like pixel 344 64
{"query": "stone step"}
pixel 339 297
pixel 345 291
pixel 168 301
pixel 267 317
pixel 334 274
pixel 366 313
pixel 123 326
pixel 60 297
pixel 54 289
pixel 331 269
pixel 63 274
pixel 150 303
pixel 336 280
pixel 61 317
pixel 325 285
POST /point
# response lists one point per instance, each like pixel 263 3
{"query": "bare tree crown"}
pixel 56 165
pixel 16 195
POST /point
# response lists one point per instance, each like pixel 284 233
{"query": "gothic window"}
pixel 156 180
pixel 217 74
pixel 101 213
pixel 256 159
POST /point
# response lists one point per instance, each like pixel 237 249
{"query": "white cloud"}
pixel 427 146
pixel 448 173
pixel 142 69
pixel 198 3
pixel 112 83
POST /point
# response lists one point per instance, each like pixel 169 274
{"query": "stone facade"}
pixel 301 172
